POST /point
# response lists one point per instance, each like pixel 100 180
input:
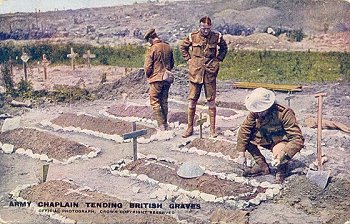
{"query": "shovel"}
pixel 319 177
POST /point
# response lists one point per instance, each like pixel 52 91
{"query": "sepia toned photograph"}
pixel 175 111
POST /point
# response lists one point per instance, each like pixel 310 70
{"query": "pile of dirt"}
pixel 135 85
pixel 165 172
pixel 98 124
pixel 121 110
pixel 43 143
pixel 332 203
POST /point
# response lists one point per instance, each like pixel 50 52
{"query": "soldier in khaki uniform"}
pixel 203 65
pixel 271 126
pixel 159 57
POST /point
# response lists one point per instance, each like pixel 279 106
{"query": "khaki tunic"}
pixel 158 58
pixel 279 125
pixel 204 61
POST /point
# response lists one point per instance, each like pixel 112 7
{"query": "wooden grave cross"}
pixel 89 56
pixel 288 98
pixel 72 56
pixel 133 135
pixel 200 122
pixel 45 63
pixel 25 57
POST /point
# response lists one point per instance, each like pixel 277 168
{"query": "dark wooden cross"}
pixel 72 57
pixel 25 57
pixel 45 63
pixel 89 56
pixel 288 98
pixel 200 122
pixel 133 135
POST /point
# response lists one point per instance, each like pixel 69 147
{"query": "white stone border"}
pixel 173 125
pixel 160 135
pixel 9 148
pixel 171 190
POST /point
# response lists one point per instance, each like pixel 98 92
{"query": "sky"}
pixel 12 6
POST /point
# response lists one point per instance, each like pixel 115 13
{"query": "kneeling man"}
pixel 271 126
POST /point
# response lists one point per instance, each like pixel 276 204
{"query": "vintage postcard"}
pixel 124 111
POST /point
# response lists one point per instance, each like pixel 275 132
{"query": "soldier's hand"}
pixel 281 158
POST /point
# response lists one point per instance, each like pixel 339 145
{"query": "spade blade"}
pixel 320 178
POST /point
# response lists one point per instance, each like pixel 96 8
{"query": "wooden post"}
pixel 45 171
pixel 45 63
pixel 133 135
pixel 72 57
pixel 89 56
pixel 319 97
pixel 25 57
pixel 200 122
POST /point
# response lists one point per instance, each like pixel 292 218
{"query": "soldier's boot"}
pixel 160 119
pixel 190 118
pixel 259 168
pixel 282 173
pixel 165 116
pixel 212 116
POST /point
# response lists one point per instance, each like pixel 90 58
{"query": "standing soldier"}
pixel 271 126
pixel 159 58
pixel 203 65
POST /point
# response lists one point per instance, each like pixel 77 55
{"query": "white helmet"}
pixel 260 100
pixel 190 170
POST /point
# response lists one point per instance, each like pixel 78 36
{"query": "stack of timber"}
pixel 276 87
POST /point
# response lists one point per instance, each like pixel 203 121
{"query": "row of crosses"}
pixel 74 55
pixel 45 62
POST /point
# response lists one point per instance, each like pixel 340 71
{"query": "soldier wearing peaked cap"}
pixel 208 48
pixel 158 59
pixel 271 126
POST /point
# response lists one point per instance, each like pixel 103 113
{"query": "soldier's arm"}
pixel 185 47
pixel 171 59
pixel 293 132
pixel 245 132
pixel 148 65
pixel 222 48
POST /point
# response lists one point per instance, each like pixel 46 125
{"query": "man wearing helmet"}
pixel 271 126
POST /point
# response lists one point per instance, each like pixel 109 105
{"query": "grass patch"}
pixel 251 66
pixel 286 67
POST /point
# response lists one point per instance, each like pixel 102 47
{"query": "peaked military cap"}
pixel 150 33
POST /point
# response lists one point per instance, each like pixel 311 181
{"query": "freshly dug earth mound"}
pixel 44 143
pixel 165 172
pixel 120 110
pixel 98 124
